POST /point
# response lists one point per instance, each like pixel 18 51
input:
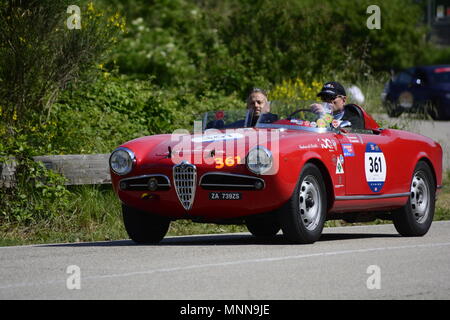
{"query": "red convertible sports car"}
pixel 292 171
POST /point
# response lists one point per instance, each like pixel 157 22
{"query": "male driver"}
pixel 334 93
pixel 258 103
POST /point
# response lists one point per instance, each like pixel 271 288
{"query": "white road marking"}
pixel 224 264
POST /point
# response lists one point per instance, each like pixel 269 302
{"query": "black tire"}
pixel 263 226
pixel 143 227
pixel 414 219
pixel 393 109
pixel 436 111
pixel 302 218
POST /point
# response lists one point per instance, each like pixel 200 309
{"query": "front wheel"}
pixel 143 227
pixel 393 109
pixel 436 111
pixel 414 219
pixel 303 216
pixel 263 226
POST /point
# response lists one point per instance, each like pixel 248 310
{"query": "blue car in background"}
pixel 423 89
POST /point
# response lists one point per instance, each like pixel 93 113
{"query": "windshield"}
pixel 295 115
pixel 225 119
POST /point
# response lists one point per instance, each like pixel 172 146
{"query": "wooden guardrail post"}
pixel 78 169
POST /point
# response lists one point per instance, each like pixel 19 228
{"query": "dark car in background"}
pixel 424 89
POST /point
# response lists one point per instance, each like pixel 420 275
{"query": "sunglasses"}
pixel 329 97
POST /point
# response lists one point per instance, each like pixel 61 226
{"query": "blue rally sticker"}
pixel 375 167
pixel 348 150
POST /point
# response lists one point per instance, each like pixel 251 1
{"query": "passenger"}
pixel 334 93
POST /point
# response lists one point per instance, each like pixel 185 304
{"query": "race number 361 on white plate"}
pixel 375 167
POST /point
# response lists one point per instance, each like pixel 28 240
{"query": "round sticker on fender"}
pixel 375 167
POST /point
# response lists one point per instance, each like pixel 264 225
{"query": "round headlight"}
pixel 259 160
pixel 122 161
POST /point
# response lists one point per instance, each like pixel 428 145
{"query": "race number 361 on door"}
pixel 375 167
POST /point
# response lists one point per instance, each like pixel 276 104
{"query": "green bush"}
pixel 286 39
pixel 37 194
pixel 96 117
pixel 230 46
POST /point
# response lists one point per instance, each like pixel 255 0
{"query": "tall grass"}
pixel 93 215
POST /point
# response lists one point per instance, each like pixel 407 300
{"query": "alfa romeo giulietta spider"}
pixel 291 171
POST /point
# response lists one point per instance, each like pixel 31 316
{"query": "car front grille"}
pixel 141 183
pixel 184 178
pixel 229 181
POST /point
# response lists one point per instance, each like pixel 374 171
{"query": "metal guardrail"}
pixel 79 169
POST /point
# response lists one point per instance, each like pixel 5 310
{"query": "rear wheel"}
pixel 303 216
pixel 143 227
pixel 414 219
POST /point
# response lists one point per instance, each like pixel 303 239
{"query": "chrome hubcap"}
pixel 309 203
pixel 419 197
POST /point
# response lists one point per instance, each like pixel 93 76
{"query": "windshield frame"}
pixel 247 120
pixel 293 127
pixel 295 106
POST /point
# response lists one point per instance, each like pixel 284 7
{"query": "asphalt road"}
pixel 364 262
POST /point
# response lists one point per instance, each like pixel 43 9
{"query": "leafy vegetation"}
pixel 139 68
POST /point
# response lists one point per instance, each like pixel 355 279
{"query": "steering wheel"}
pixel 297 111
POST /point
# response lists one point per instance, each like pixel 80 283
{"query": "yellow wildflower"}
pixel 295 89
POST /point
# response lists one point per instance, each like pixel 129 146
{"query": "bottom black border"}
pixel 243 309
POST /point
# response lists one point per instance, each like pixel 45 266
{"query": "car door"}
pixel 367 162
